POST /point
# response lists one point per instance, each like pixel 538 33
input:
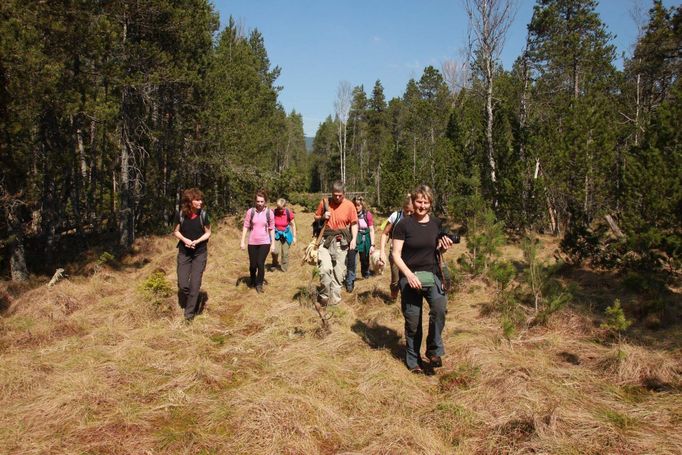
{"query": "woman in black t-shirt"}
pixel 415 242
pixel 192 229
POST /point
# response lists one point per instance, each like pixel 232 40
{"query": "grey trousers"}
pixel 281 254
pixel 411 305
pixel 190 270
pixel 332 264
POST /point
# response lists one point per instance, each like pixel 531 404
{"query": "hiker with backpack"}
pixel 192 229
pixel 259 223
pixel 339 234
pixel 417 241
pixel 386 234
pixel 364 245
pixel 285 235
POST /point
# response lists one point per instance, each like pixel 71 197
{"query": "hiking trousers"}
pixel 191 266
pixel 257 255
pixel 332 264
pixel 351 265
pixel 411 305
pixel 281 254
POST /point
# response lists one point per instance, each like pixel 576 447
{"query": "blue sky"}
pixel 319 43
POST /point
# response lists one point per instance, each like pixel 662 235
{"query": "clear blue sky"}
pixel 319 43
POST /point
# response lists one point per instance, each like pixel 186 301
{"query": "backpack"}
pixel 203 217
pixel 267 217
pixel 398 218
pixel 318 224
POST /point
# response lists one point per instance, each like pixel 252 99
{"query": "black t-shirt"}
pixel 420 242
pixel 192 229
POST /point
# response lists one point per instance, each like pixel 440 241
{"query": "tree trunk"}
pixel 17 260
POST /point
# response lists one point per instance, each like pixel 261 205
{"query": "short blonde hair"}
pixel 281 203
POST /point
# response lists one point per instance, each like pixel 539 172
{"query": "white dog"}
pixel 376 266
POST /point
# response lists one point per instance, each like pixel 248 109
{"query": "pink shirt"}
pixel 281 219
pixel 260 234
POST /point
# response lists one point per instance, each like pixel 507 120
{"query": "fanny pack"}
pixel 427 279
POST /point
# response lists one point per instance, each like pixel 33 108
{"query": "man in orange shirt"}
pixel 339 236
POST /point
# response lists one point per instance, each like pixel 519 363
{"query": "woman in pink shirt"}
pixel 259 223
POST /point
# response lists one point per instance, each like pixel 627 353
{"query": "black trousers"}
pixel 257 256
pixel 191 267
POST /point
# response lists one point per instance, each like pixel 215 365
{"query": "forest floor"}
pixel 98 365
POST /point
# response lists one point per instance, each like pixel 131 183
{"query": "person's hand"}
pixel 187 242
pixel 382 258
pixel 371 249
pixel 352 244
pixel 272 248
pixel 293 241
pixel 326 215
pixel 413 281
pixel 444 243
pixel 242 246
pixel 194 244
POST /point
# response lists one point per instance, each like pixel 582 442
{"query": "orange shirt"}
pixel 342 215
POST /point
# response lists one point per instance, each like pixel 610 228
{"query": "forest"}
pixel 109 109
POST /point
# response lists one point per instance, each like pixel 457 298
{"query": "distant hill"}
pixel 309 143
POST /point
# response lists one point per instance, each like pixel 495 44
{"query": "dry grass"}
pixel 94 365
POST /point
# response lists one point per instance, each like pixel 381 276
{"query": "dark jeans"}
pixel 257 256
pixel 190 270
pixel 350 265
pixel 411 304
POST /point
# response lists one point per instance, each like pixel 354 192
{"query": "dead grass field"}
pixel 94 365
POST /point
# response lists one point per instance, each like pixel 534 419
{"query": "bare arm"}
pixel 398 261
pixel 178 235
pixel 384 238
pixel 354 235
pixel 242 245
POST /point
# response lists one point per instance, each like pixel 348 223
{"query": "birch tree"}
pixel 342 104
pixel 489 21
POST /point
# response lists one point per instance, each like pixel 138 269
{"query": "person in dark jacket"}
pixel 192 229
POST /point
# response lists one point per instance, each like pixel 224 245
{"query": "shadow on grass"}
pixel 384 296
pixel 380 337
pixel 647 299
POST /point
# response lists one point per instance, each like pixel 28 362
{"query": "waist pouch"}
pixel 427 279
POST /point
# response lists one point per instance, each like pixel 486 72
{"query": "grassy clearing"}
pixel 104 364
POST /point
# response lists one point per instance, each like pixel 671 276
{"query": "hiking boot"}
pixel 350 287
pixel 395 293
pixel 435 361
pixel 323 300
pixel 417 370
pixel 259 288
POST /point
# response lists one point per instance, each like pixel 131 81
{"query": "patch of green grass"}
pixel 617 419
pixel 463 377
pixel 218 339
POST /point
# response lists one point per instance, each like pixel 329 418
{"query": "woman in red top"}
pixel 285 235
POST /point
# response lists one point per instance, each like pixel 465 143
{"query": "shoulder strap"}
pixel 182 217
pixel 288 215
pixel 203 217
pixel 252 211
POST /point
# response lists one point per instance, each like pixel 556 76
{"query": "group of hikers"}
pixel 345 230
